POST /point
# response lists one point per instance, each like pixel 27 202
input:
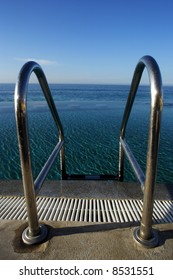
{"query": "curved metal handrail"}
pixel 34 233
pixel 144 235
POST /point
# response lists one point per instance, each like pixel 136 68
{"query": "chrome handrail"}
pixel 144 235
pixel 35 233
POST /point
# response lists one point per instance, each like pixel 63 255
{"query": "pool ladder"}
pixel 35 232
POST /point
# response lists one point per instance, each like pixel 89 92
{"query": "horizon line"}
pixel 106 84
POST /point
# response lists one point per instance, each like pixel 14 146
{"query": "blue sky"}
pixel 86 41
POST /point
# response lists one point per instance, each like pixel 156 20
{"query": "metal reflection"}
pixel 145 235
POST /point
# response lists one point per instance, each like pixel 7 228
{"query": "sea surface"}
pixel 91 117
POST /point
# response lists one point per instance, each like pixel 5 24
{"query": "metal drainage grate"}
pixel 85 210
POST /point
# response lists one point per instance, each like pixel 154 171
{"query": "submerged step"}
pixel 85 210
pixel 91 177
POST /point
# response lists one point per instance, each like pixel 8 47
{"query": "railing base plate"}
pixel 150 243
pixel 31 240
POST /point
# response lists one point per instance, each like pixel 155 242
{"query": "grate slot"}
pixel 122 211
pixel 137 209
pixel 49 208
pixel 66 210
pixel 85 210
pixel 168 209
pixel 10 208
pixel 98 211
pixel 108 219
pixel 158 209
pixel 17 211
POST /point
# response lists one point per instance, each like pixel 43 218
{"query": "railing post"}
pixel 34 233
pixel 145 235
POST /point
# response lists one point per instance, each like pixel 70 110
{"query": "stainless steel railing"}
pixel 144 235
pixel 35 233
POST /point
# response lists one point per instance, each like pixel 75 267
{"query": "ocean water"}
pixel 91 116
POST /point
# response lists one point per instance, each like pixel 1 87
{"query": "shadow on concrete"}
pixel 165 235
pixel 20 247
pixel 53 231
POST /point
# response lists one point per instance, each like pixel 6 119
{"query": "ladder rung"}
pixel 91 177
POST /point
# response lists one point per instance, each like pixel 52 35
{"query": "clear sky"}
pixel 86 41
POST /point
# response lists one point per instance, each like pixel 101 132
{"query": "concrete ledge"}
pixel 89 189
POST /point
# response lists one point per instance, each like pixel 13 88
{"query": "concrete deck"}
pixel 80 240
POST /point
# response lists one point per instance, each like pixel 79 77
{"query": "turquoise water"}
pixel 91 117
